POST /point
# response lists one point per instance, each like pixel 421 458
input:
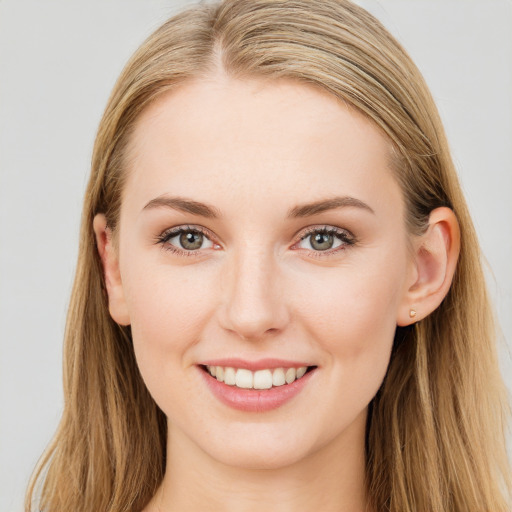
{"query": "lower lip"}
pixel 255 400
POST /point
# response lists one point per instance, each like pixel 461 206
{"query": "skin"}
pixel 254 150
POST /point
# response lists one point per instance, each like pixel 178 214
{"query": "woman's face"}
pixel 292 253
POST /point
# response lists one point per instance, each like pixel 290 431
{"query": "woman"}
pixel 279 298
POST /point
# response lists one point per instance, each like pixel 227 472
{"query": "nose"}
pixel 254 304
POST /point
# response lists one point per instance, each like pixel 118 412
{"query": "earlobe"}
pixel 108 254
pixel 435 260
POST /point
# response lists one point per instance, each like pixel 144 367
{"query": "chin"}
pixel 255 457
pixel 257 449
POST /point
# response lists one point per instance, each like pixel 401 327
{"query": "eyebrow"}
pixel 299 211
pixel 306 210
pixel 184 205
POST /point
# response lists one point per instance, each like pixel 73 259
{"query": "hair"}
pixel 436 430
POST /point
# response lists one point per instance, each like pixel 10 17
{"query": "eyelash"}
pixel 164 238
pixel 343 235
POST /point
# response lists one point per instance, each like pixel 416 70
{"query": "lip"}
pixel 254 400
pixel 261 364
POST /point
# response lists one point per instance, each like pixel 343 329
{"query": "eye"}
pixel 326 239
pixel 189 241
pixel 185 240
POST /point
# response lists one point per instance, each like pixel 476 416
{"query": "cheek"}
pixel 352 314
pixel 348 301
pixel 167 308
pixel 164 301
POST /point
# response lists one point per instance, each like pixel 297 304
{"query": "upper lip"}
pixel 260 364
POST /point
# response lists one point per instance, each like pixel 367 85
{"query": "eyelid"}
pixel 345 235
pixel 187 227
pixel 167 234
pixel 324 227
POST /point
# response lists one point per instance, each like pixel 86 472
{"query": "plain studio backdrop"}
pixel 58 63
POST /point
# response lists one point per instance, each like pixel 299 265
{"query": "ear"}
pixel 434 262
pixel 116 301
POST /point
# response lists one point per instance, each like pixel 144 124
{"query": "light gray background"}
pixel 58 63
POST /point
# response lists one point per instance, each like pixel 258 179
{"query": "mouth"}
pixel 262 379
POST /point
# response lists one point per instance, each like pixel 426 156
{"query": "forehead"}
pixel 223 139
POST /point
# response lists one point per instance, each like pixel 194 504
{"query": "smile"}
pixel 259 389
pixel 260 379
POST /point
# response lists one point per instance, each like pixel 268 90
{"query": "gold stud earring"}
pixel 412 313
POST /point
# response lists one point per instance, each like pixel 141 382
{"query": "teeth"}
pixel 278 378
pixel 243 379
pixel 261 379
pixel 290 375
pixel 230 376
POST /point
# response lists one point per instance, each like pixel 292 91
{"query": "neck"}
pixel 332 478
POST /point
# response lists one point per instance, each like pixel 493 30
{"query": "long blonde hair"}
pixel 436 429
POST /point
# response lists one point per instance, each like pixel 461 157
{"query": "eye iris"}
pixel 322 241
pixel 191 240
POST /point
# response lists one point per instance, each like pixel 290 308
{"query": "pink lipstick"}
pixel 255 386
